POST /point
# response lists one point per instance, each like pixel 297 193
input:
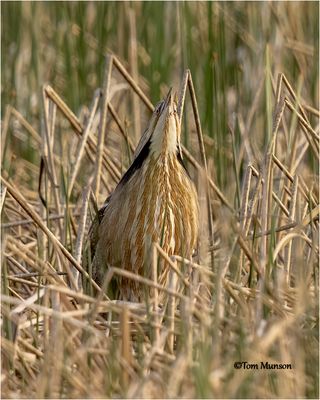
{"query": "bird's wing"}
pixel 93 236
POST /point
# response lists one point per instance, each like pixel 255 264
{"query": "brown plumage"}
pixel 155 201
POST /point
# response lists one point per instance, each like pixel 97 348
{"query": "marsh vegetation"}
pixel 251 293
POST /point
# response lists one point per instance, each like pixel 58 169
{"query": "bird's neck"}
pixel 164 143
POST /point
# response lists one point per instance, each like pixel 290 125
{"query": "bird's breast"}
pixel 159 204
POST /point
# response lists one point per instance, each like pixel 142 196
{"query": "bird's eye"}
pixel 158 108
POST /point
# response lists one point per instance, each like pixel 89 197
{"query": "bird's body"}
pixel 155 201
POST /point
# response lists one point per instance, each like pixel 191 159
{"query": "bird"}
pixel 155 201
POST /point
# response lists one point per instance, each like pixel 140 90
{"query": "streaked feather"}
pixel 155 201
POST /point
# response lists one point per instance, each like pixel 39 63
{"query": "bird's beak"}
pixel 169 98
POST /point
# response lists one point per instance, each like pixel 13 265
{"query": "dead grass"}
pixel 251 295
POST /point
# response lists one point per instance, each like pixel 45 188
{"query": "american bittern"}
pixel 155 201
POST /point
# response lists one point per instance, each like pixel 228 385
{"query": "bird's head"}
pixel 165 127
pixel 161 138
pixel 163 133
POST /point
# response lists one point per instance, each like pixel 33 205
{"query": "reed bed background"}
pixel 79 81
